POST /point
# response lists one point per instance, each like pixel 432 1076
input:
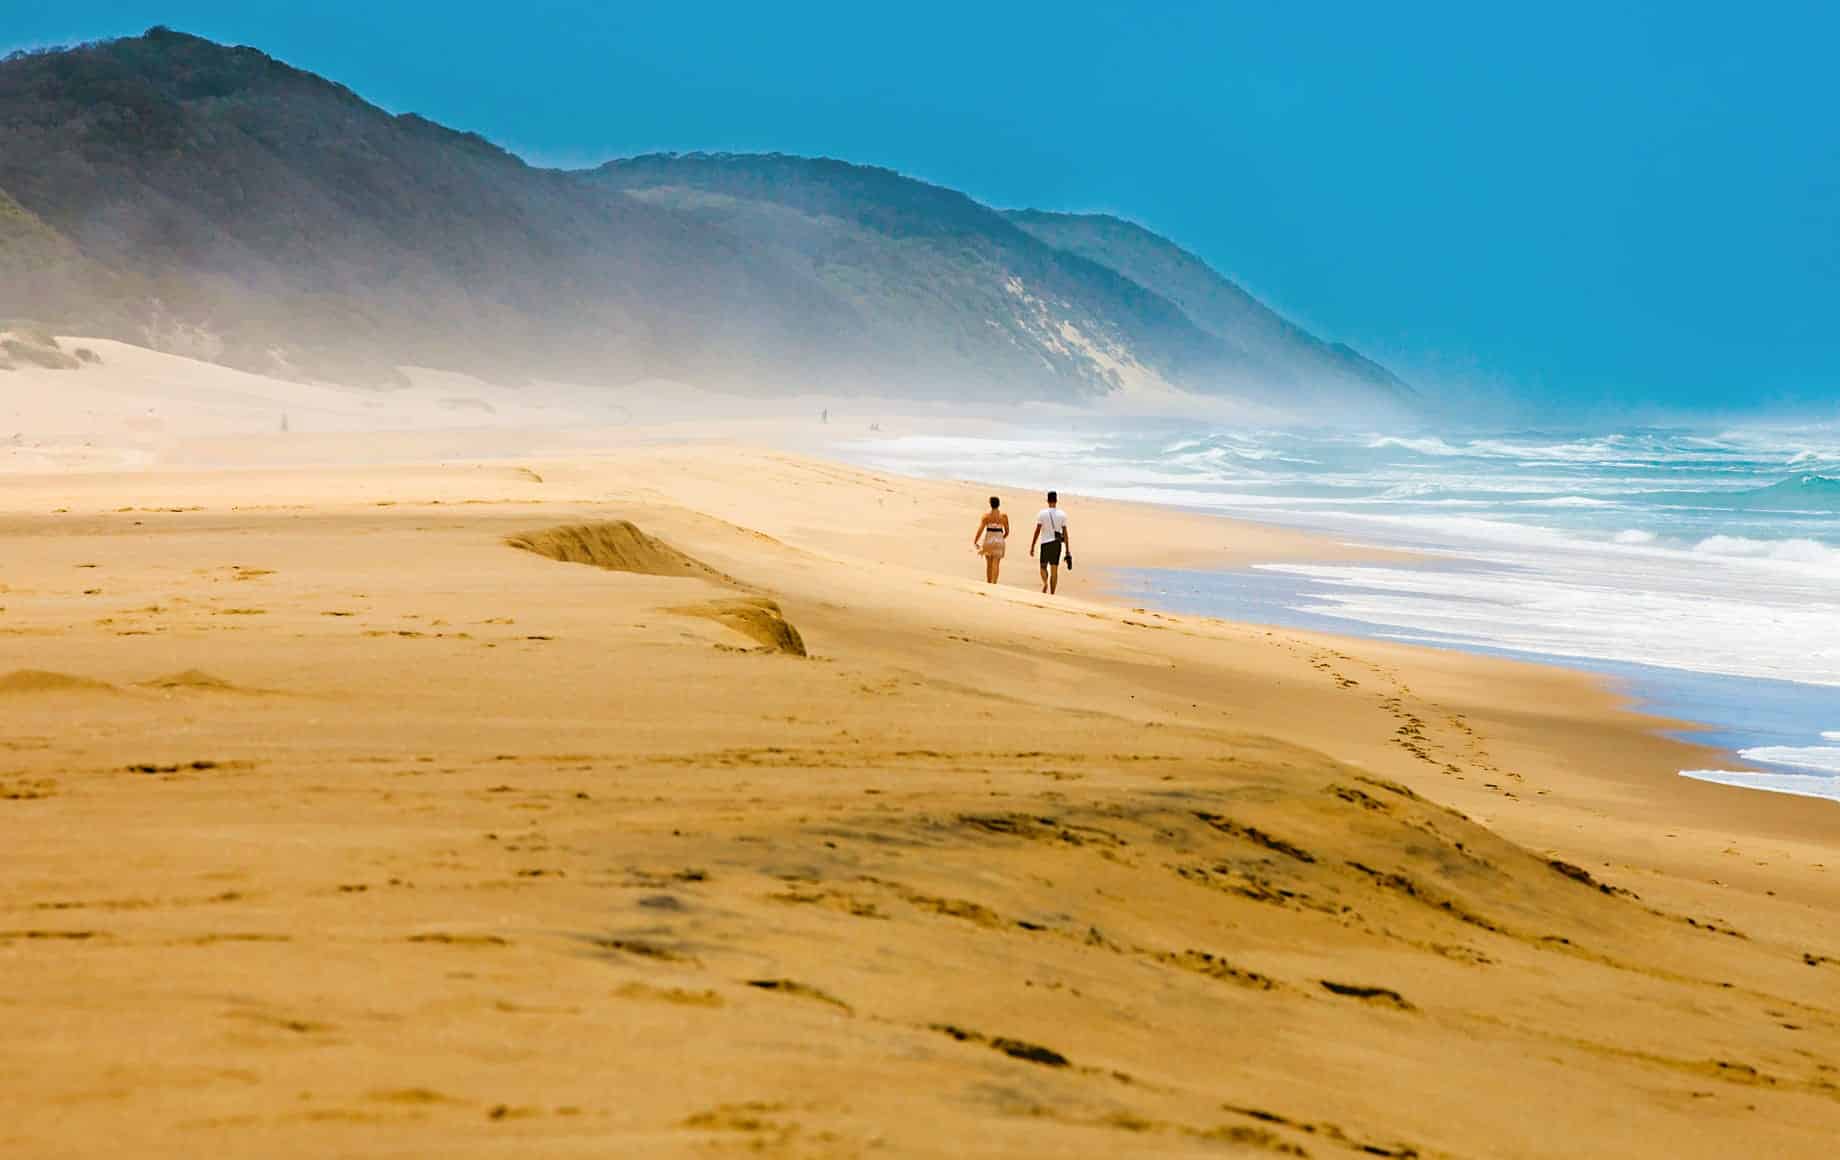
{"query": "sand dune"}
pixel 44 681
pixel 194 680
pixel 83 402
pixel 615 545
pixel 755 617
pixel 553 861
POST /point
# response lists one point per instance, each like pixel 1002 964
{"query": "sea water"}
pixel 1699 567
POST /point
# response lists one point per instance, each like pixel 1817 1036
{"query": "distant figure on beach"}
pixel 1051 534
pixel 991 538
pixel 824 416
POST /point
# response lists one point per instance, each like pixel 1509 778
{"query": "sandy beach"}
pixel 344 816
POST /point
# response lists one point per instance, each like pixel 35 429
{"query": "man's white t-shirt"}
pixel 1051 521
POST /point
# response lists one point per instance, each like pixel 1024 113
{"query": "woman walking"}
pixel 992 535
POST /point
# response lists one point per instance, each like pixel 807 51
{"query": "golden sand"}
pixel 516 858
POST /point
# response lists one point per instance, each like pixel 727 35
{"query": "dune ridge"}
pixel 46 681
pixel 620 546
pixel 192 679
pixel 756 617
pixel 616 545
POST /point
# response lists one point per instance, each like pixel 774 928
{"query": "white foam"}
pixel 1530 522
pixel 1834 736
pixel 1813 758
pixel 1604 450
pixel 1799 784
pixel 1796 551
pixel 1428 446
pixel 1565 501
pixel 1610 449
pixel 1645 616
pixel 1457 532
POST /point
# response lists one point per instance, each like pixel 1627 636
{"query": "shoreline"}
pixel 1727 714
pixel 1657 691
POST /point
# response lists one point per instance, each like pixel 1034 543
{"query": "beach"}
pixel 351 808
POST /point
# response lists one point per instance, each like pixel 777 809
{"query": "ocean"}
pixel 1698 568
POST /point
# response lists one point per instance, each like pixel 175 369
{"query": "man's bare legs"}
pixel 1054 524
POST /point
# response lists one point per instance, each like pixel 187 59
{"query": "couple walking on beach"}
pixel 1050 535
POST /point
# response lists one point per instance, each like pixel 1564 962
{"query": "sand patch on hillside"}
pixel 30 346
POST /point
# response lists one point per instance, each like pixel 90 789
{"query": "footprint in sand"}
pixel 1384 996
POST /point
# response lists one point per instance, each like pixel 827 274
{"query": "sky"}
pixel 1586 205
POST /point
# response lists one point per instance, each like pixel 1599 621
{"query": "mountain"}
pixel 1276 350
pixel 214 202
pixel 944 293
pixel 266 218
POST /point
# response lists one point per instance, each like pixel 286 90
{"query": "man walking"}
pixel 1051 534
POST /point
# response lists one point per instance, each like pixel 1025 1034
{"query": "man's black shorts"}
pixel 1050 553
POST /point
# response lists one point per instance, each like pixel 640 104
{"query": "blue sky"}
pixel 1569 202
